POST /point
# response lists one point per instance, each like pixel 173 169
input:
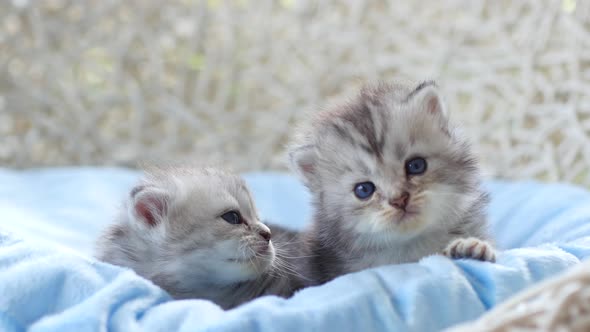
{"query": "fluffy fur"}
pixel 170 231
pixel 370 138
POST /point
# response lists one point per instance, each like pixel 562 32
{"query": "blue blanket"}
pixel 48 282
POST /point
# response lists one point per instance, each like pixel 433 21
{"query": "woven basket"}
pixel 558 304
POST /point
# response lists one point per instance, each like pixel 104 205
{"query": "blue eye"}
pixel 416 166
pixel 232 217
pixel 364 190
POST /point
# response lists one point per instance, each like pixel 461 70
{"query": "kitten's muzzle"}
pixel 401 202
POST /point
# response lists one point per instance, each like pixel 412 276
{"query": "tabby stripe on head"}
pixel 365 125
pixel 344 134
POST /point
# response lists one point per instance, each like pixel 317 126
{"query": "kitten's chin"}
pixel 259 261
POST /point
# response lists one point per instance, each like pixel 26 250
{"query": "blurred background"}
pixel 102 82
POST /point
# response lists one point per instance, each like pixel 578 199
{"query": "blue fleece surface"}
pixel 48 282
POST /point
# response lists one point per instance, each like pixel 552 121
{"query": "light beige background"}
pixel 100 82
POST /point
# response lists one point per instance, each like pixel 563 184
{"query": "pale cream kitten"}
pixel 197 234
pixel 392 181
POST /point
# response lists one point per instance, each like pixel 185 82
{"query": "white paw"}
pixel 470 248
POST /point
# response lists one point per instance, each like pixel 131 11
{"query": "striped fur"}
pixel 370 138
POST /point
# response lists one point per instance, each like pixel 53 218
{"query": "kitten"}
pixel 196 233
pixel 392 181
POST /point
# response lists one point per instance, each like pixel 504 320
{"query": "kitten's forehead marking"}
pixel 343 133
pixel 378 124
pixel 364 126
pixel 371 117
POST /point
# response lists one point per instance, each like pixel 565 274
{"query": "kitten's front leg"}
pixel 470 247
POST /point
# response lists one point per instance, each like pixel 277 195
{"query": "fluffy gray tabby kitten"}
pixel 392 181
pixel 196 233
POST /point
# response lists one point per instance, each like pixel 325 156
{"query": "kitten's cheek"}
pixel 366 223
pixel 429 207
pixel 230 272
pixel 248 270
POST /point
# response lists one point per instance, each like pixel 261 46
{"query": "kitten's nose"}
pixel 401 202
pixel 265 234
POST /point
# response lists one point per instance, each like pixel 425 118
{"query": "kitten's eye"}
pixel 416 166
pixel 364 190
pixel 232 217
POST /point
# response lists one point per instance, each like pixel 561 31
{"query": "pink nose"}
pixel 400 202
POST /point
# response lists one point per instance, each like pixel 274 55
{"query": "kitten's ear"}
pixel 304 162
pixel 427 98
pixel 149 204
